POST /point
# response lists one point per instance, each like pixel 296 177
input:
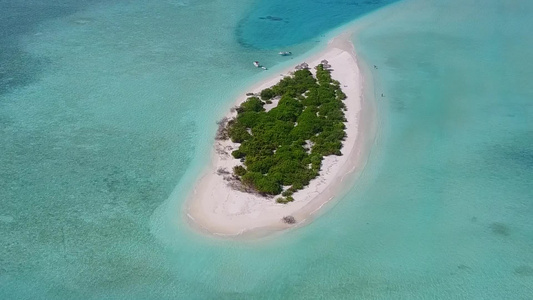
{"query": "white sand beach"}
pixel 216 208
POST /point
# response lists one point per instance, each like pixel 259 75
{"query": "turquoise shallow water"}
pixel 111 112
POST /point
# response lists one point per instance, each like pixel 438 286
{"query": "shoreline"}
pixel 222 211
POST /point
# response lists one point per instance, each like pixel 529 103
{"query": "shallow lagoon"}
pixel 100 135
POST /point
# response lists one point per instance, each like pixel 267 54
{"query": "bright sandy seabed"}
pixel 216 208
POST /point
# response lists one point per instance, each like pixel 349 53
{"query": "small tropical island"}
pixel 281 147
pixel 286 148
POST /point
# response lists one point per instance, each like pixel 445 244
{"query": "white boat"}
pixel 264 68
pixel 256 63
pixel 285 53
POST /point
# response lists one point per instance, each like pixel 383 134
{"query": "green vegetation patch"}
pixel 285 145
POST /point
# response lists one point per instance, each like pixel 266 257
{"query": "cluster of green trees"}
pixel 273 144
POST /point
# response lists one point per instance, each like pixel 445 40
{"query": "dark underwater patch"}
pixel 499 229
pixel 520 152
pixel 271 18
pixel 512 155
pixel 17 67
pixel 523 271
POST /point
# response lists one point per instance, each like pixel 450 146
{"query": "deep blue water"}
pixel 276 24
